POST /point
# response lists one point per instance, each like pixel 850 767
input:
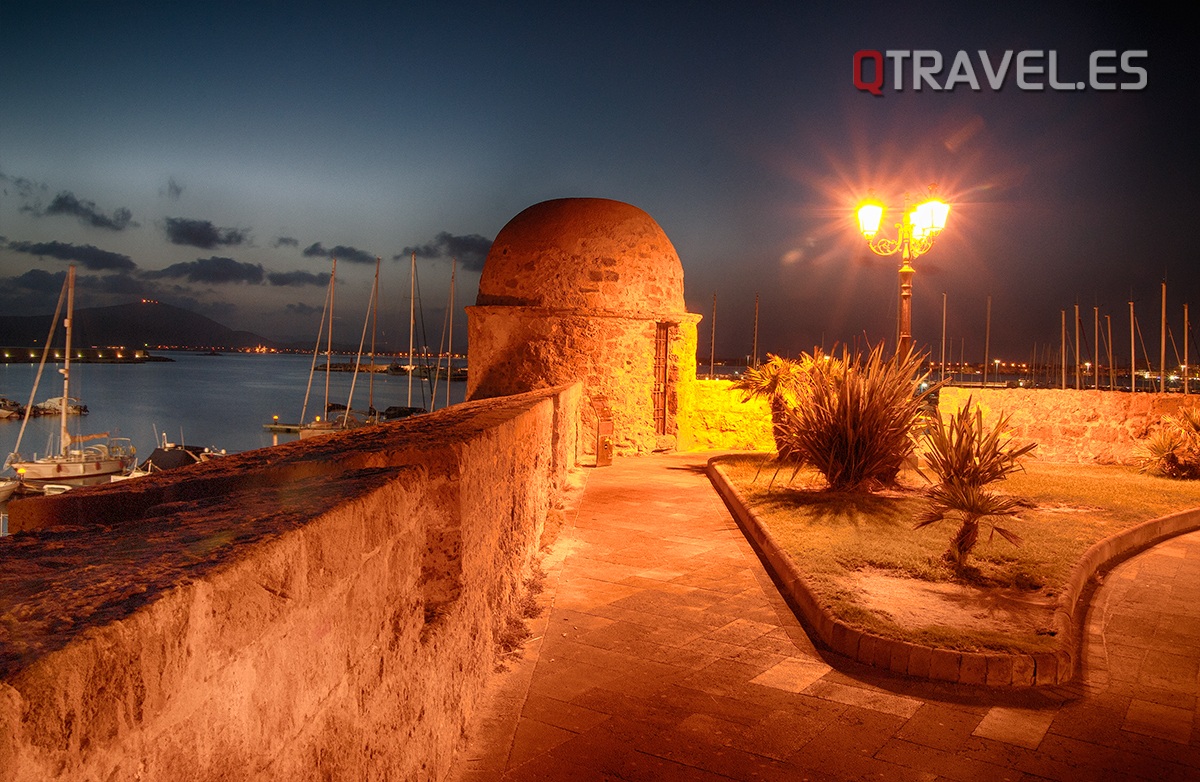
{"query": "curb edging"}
pixel 990 669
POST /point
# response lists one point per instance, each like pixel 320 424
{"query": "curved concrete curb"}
pixel 992 669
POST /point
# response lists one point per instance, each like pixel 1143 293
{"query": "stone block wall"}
pixel 720 421
pixel 1070 425
pixel 325 609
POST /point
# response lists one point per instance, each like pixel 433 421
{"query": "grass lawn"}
pixel 866 563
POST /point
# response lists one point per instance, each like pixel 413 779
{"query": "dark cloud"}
pixel 66 203
pixel 303 309
pixel 215 271
pixel 470 250
pixel 285 241
pixel 203 234
pixel 36 291
pixel 297 279
pixel 341 252
pixel 113 284
pixel 26 189
pixel 173 190
pixel 91 257
pixel 37 281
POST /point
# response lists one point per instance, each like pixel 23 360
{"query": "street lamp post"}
pixel 914 237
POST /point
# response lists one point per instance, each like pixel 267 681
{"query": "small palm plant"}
pixel 857 418
pixel 1173 450
pixel 779 381
pixel 967 457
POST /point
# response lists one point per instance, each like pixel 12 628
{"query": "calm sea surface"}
pixel 217 401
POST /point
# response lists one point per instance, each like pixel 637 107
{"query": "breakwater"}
pixel 27 355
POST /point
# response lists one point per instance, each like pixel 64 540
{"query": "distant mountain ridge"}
pixel 130 325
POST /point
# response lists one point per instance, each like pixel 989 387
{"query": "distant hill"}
pixel 131 325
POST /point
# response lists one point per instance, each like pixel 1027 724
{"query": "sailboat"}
pixel 322 425
pixel 337 416
pixel 74 462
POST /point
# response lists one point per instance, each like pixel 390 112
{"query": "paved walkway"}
pixel 667 653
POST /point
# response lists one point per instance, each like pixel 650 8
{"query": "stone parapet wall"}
pixel 1067 425
pixel 1070 425
pixel 325 609
pixel 720 421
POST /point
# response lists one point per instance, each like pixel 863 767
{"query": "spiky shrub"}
pixel 967 456
pixel 857 417
pixel 1173 449
pixel 785 384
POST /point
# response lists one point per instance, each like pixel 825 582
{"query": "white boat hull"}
pixel 59 468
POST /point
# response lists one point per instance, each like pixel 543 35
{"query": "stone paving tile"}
pixel 1023 727
pixel 867 698
pixel 794 674
pixel 534 738
pixel 1153 719
pixel 922 758
pixel 732 762
pixel 1099 761
pixel 667 653
pixel 561 714
pixel 940 727
pixel 607 748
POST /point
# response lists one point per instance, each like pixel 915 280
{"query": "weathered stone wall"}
pixel 720 421
pixel 326 609
pixel 1070 425
pixel 514 349
pixel 1067 425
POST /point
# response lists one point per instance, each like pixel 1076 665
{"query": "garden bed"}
pixel 868 569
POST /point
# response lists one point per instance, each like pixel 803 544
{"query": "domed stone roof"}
pixel 583 253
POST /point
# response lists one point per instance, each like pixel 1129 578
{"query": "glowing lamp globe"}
pixel 933 214
pixel 870 215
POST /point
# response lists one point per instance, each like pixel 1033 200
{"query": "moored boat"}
pixel 10 408
pixel 76 464
pixel 170 456
pixel 116 455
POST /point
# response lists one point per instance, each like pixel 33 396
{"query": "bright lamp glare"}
pixel 870 215
pixel 934 214
pixel 920 221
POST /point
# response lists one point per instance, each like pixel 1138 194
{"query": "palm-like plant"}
pixel 783 383
pixel 1173 450
pixel 857 417
pixel 967 457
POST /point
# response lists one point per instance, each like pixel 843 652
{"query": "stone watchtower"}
pixel 588 289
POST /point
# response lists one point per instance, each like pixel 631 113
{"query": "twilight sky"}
pixel 215 155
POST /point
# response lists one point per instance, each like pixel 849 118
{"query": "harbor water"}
pixel 220 401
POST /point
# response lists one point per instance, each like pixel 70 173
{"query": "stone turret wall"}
pixel 325 609
pixel 577 289
pixel 610 354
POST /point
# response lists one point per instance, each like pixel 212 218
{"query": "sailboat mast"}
pixel 374 330
pixel 450 332
pixel 412 320
pixel 329 337
pixel 66 370
pixel 712 340
pixel 754 358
